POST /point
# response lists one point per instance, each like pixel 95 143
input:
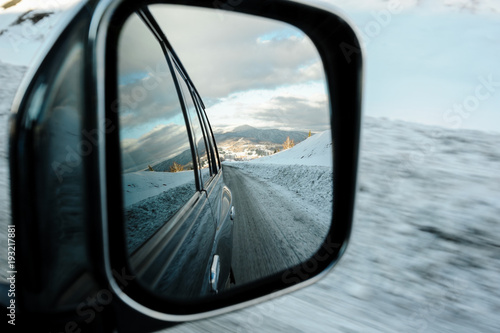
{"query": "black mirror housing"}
pixel 105 271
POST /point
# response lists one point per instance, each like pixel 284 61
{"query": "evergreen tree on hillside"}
pixel 176 167
pixel 288 143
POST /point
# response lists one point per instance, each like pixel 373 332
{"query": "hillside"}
pixel 315 151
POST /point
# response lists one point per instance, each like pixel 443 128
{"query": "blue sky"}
pixel 424 61
pixel 281 34
pixel 425 66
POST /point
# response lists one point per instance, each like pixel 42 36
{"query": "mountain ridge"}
pixel 257 136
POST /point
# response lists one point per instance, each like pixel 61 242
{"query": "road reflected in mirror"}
pixel 226 148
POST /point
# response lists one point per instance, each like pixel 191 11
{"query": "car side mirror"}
pixel 185 193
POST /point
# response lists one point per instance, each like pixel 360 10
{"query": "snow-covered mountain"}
pixel 257 135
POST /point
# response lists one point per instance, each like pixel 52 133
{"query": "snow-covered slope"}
pixel 316 150
pixel 26 24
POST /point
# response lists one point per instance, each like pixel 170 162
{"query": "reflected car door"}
pixel 220 200
pixel 212 182
pixel 212 185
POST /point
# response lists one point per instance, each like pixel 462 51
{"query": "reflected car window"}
pixel 214 157
pixel 199 138
pixel 157 165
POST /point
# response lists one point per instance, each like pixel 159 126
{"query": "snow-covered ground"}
pixel 425 251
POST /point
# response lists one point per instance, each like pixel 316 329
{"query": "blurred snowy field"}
pixel 425 249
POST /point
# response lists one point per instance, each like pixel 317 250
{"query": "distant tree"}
pixel 288 143
pixel 150 168
pixel 176 167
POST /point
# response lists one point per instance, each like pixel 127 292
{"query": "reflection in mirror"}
pixel 226 148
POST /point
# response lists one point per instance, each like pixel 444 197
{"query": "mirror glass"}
pixel 226 148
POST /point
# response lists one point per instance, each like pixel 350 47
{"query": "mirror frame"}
pixel 332 36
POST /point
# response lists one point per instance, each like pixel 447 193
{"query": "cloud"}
pixel 297 107
pixel 139 106
pixel 227 52
pixel 295 113
pixel 231 59
pixel 147 93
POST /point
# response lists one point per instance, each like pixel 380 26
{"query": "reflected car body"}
pixel 179 238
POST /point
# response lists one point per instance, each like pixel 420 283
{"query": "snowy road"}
pixel 271 232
